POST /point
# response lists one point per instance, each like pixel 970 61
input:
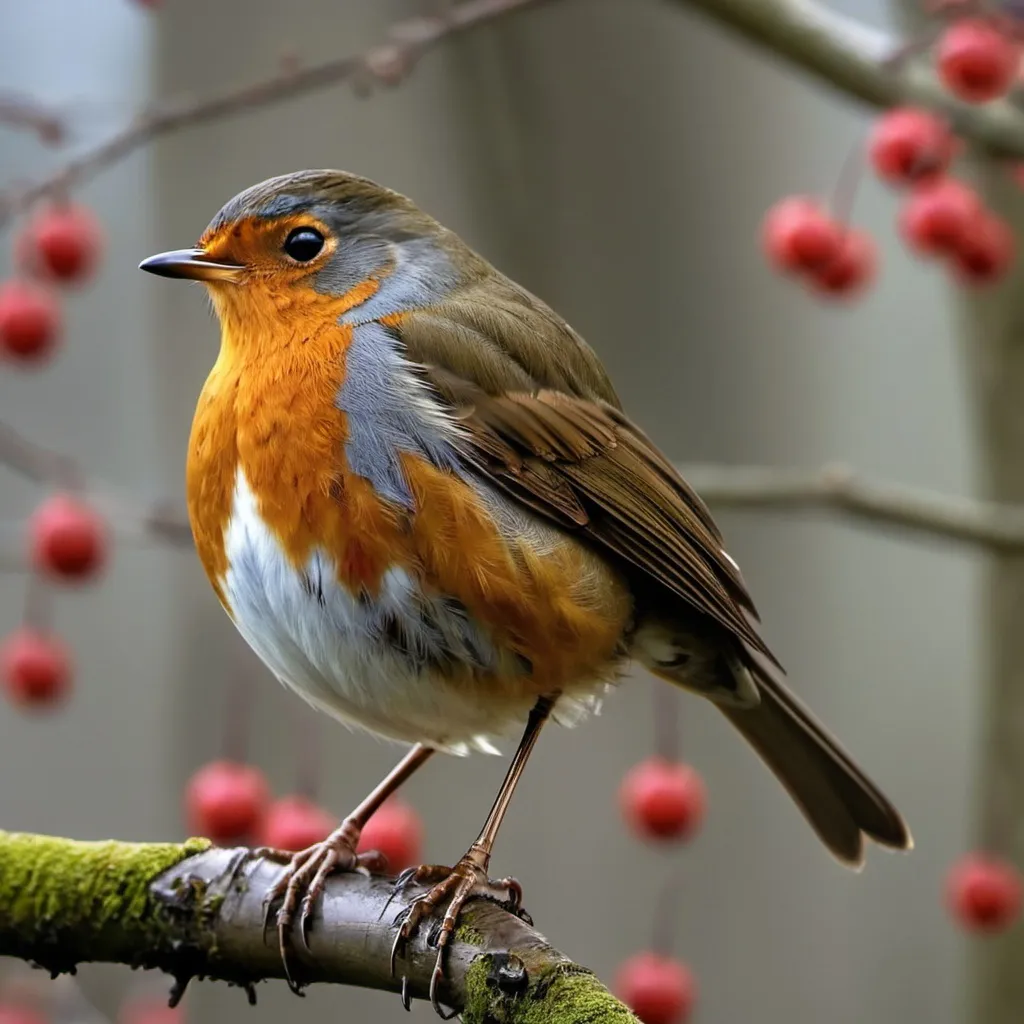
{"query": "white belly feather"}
pixel 376 663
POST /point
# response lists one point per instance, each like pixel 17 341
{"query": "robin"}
pixel 414 490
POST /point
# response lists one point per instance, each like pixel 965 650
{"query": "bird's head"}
pixel 315 243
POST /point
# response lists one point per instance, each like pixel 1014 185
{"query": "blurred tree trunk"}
pixel 993 357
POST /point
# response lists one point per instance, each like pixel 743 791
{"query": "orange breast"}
pixel 270 410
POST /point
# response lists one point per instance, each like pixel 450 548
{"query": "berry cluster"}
pixel 978 59
pixel 60 246
pixel 801 238
pixel 67 539
pixel 230 802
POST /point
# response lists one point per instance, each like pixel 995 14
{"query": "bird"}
pixel 416 493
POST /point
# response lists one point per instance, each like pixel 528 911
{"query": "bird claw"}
pixel 404 878
pixel 436 977
pixel 451 888
pixel 301 882
pixel 304 921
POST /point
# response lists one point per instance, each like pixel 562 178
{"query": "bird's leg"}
pixel 452 888
pixel 307 871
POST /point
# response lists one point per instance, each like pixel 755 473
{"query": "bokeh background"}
pixel 616 157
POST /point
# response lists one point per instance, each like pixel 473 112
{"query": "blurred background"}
pixel 615 157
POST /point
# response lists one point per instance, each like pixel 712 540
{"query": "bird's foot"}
pixel 303 880
pixel 451 889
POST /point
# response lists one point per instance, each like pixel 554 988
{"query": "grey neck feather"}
pixel 390 410
pixel 419 274
pixel 414 268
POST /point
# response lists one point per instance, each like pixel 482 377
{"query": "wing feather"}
pixel 554 437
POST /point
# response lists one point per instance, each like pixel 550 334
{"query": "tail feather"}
pixel 841 803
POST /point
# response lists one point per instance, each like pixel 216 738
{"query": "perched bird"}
pixel 416 494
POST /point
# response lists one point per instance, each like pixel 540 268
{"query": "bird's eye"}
pixel 303 244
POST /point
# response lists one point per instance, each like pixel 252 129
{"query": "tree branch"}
pixel 833 488
pixel 859 61
pixel 386 64
pixel 838 489
pixel 155 520
pixel 194 910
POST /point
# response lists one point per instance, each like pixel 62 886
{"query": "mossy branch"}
pixel 194 910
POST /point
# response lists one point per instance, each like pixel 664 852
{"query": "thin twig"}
pixel 34 460
pixel 666 721
pixel 386 64
pixel 18 111
pixel 838 489
pixel 857 60
pixel 844 53
pixel 132 518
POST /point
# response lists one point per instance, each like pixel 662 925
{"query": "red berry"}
pixel 852 269
pixel 226 801
pixel 663 800
pixel 293 823
pixel 36 668
pixel 30 321
pixel 62 243
pixel 657 989
pixel 908 144
pixel 937 216
pixel 984 893
pixel 976 61
pixel 397 832
pixel 986 252
pixel 799 236
pixel 68 538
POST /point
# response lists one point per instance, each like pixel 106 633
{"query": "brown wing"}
pixel 543 423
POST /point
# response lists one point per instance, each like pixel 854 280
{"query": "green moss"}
pixel 576 997
pixel 465 932
pixel 565 994
pixel 478 992
pixel 212 906
pixel 77 898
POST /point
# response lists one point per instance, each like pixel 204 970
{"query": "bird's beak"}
pixel 193 264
